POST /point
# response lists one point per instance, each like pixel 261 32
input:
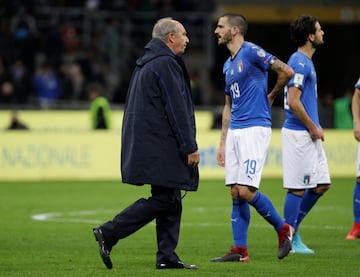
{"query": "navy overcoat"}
pixel 158 129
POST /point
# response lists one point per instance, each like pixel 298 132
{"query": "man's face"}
pixel 223 31
pixel 317 39
pixel 180 40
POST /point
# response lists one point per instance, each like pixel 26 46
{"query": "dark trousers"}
pixel 165 206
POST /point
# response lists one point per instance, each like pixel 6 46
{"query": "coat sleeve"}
pixel 178 105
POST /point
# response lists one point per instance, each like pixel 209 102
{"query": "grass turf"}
pixel 60 242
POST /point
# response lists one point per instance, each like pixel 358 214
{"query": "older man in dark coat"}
pixel 158 145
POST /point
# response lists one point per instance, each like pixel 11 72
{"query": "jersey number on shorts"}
pixel 250 166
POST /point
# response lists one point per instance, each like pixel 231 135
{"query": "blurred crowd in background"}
pixel 48 56
pixel 52 52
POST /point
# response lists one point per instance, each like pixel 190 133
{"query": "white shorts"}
pixel 245 155
pixel 304 160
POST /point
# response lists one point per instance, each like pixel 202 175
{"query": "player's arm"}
pixel 226 114
pixel 355 113
pixel 284 74
pixel 298 109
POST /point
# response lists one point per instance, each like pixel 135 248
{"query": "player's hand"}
pixel 317 133
pixel 221 157
pixel 357 131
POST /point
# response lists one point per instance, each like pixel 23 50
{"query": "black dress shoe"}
pixel 176 265
pixel 103 248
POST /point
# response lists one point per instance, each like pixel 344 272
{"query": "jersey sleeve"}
pixel 357 85
pixel 260 57
pixel 301 70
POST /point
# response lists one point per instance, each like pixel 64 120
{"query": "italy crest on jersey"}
pixel 240 66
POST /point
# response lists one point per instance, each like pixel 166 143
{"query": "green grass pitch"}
pixel 46 230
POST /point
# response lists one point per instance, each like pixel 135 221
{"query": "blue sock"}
pixel 240 218
pixel 356 204
pixel 309 199
pixel 266 209
pixel 292 208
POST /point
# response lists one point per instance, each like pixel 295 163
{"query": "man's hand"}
pixel 221 157
pixel 317 133
pixel 194 159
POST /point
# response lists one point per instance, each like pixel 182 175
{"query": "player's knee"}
pixel 322 188
pixel 247 193
pixel 234 192
pixel 242 192
pixel 298 192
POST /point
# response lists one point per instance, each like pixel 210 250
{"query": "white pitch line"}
pixel 69 217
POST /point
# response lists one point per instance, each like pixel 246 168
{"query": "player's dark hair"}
pixel 238 20
pixel 301 28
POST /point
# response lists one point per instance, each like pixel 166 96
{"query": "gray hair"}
pixel 163 27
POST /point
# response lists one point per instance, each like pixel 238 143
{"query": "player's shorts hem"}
pixel 301 187
pixel 241 184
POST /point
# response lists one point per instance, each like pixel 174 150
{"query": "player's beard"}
pixel 226 38
pixel 317 44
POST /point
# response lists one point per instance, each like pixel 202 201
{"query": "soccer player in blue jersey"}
pixel 355 107
pixel 246 132
pixel 305 170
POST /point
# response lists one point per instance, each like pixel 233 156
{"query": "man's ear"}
pixel 171 37
pixel 311 37
pixel 235 30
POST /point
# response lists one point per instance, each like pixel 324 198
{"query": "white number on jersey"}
pixel 235 90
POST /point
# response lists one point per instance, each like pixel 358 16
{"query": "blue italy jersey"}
pixel 246 83
pixel 304 79
pixel 357 85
